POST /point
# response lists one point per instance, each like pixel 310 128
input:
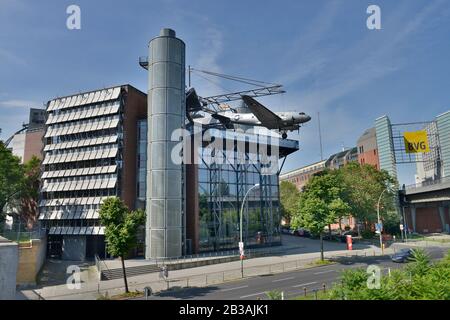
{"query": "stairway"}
pixel 117 273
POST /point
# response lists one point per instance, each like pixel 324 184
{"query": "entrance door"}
pixel 54 247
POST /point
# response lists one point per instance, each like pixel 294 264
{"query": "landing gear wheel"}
pixel 284 135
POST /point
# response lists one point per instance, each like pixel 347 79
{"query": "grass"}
pixel 321 262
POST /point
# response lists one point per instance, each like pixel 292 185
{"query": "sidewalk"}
pixel 297 253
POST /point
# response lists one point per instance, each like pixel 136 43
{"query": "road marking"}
pixel 304 284
pixel 290 278
pixel 229 289
pixel 321 272
pixel 251 295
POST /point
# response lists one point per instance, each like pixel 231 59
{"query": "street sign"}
pixel 378 227
pixel 241 248
pixel 416 142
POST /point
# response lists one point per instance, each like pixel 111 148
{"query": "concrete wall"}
pixel 31 259
pixel 9 257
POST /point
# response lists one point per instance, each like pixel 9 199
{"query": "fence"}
pixel 215 278
pixel 249 253
pixel 19 234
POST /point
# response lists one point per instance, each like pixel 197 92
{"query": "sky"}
pixel 322 52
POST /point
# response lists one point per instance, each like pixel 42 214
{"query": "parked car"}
pixel 404 255
pixel 285 230
pixel 301 232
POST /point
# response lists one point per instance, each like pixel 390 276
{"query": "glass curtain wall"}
pixel 222 188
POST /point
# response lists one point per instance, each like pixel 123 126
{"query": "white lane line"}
pixel 251 295
pixel 290 278
pixel 322 272
pixel 304 284
pixel 236 288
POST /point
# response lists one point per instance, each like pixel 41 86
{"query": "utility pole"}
pixel 189 76
pixel 320 137
pixel 241 242
pixel 379 222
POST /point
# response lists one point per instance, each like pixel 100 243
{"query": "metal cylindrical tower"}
pixel 166 113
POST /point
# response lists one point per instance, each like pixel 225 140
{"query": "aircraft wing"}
pixel 223 120
pixel 267 118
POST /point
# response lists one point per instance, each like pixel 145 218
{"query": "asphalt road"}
pixel 291 283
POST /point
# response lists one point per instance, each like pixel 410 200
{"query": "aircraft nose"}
pixel 307 118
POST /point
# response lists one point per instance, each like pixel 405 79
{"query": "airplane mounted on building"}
pixel 261 116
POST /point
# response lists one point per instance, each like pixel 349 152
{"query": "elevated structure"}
pixel 166 114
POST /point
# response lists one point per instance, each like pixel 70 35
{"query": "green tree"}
pixel 121 227
pixel 11 179
pixel 27 202
pixel 320 204
pixel 363 186
pixel 289 195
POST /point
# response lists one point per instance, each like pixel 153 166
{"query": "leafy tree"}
pixel 121 227
pixel 289 195
pixel 27 202
pixel 11 178
pixel 363 186
pixel 320 204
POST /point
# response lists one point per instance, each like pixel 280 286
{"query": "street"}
pixel 291 283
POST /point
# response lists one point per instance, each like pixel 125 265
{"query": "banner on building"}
pixel 416 142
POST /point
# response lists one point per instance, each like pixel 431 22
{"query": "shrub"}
pixel 367 234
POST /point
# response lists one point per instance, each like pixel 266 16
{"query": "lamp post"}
pixel 240 226
pixel 378 217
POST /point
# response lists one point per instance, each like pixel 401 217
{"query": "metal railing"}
pixel 428 183
pixel 23 235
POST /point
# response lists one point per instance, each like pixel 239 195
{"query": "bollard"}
pixel 315 294
pixel 324 287
pixel 304 290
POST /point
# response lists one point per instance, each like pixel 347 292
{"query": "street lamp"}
pixel 241 243
pixel 378 217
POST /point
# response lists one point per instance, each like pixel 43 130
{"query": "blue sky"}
pixel 321 51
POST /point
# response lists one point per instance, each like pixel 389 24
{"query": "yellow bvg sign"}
pixel 416 142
